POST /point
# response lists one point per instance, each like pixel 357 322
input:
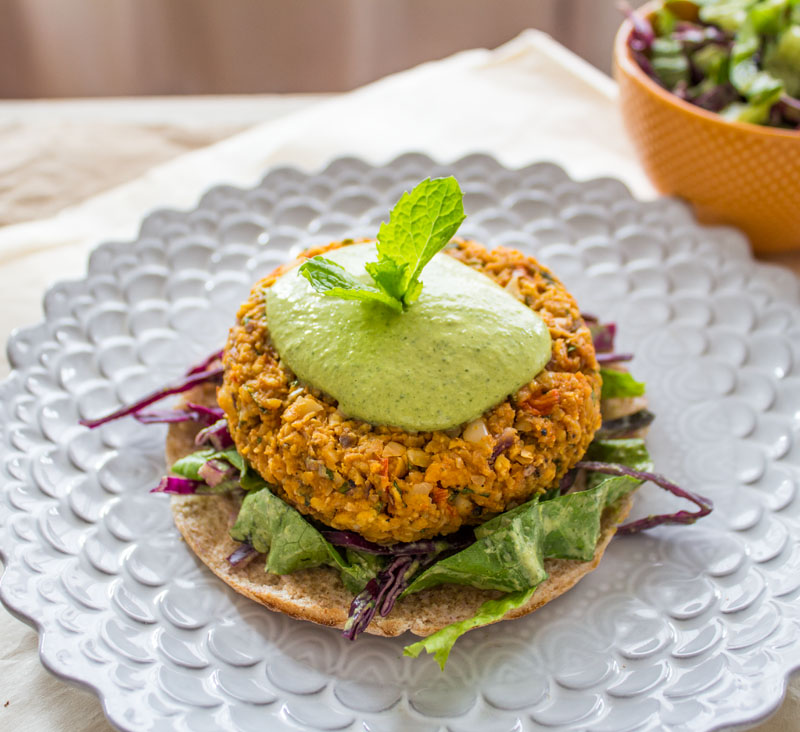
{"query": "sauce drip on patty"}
pixel 462 348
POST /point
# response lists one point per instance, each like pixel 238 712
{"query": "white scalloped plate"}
pixel 687 628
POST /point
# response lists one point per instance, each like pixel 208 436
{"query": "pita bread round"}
pixel 318 594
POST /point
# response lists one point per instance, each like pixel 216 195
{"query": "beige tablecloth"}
pixel 529 100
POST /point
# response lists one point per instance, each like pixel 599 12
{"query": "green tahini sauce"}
pixel 460 349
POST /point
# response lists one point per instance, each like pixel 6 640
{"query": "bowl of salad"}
pixel 710 95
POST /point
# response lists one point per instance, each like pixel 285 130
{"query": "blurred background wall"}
pixel 79 48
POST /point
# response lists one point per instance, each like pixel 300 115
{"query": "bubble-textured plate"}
pixel 687 628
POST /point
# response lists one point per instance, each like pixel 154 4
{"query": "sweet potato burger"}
pixel 380 448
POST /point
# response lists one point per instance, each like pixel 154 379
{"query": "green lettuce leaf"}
pixel 729 15
pixel 631 452
pixel 189 466
pixel 758 87
pixel 281 532
pixel 782 59
pixel 441 642
pixel 359 569
pixel 421 223
pixel 506 556
pixel 273 528
pixel 712 60
pixel 565 527
pixel 769 17
pixel 290 542
pixel 333 280
pixel 669 61
pixel 510 549
pixel 619 384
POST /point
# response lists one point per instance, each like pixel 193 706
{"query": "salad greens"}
pixel 290 542
pixel 510 549
pixel 440 643
pixel 740 58
pixel 619 384
pixel 569 529
pixel 274 528
pixel 507 554
pixel 421 223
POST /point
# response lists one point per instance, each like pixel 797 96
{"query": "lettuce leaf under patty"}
pixel 567 528
pixel 190 465
pixel 274 528
pixel 510 549
pixel 291 543
pixel 508 553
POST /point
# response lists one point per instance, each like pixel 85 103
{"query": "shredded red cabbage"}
pixel 603 339
pixel 178 387
pixel 379 595
pixel 681 517
pixel 240 555
pixel 643 35
pixel 210 414
pixel 605 358
pixel 205 364
pixel 413 548
pixel 603 336
pixel 567 481
pixel 216 434
pixel 615 428
pixel 190 413
pixel 789 108
pixel 167 416
pixel 179 486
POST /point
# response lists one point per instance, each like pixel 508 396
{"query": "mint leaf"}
pixel 619 384
pixel 330 278
pixel 421 224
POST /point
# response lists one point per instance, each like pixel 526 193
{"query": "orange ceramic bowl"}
pixel 732 172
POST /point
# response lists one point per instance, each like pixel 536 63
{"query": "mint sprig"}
pixel 330 278
pixel 421 224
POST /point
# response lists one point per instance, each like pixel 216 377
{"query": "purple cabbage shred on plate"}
pixel 194 377
pixel 241 555
pixel 217 435
pixel 705 505
pixel 178 486
pixel 189 413
pixel 380 594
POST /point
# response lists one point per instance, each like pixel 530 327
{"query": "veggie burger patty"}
pixel 390 485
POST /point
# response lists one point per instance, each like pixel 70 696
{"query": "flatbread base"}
pixel 318 594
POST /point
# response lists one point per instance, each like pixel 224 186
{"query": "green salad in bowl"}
pixel 739 58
